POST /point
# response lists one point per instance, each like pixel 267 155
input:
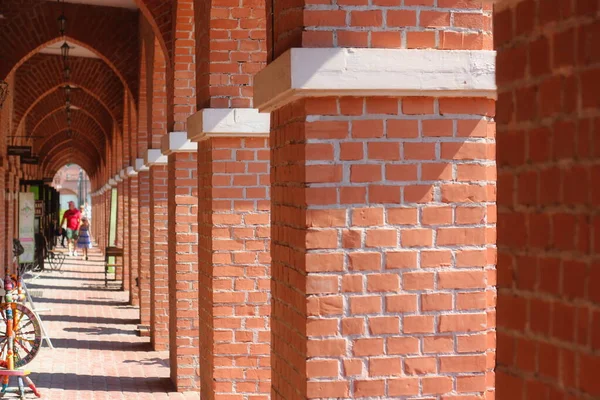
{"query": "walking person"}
pixel 84 242
pixel 73 218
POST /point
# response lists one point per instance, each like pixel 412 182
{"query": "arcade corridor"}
pixel 97 354
pixel 315 199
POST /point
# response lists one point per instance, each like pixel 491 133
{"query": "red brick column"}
pixel 121 274
pixel 124 219
pixel 383 222
pixel 183 261
pixel 233 245
pixel 144 195
pixel 159 285
pixel 134 233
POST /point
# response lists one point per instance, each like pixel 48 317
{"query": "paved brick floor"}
pixel 97 354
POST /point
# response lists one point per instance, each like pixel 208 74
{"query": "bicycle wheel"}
pixel 27 333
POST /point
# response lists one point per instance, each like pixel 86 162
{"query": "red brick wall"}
pixel 445 24
pixel 206 273
pixel 234 267
pixel 184 343
pixel 159 298
pixel 383 248
pixel 548 118
pixel 231 49
pixel 183 67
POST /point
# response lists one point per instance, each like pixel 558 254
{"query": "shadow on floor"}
pixel 78 301
pixel 71 381
pixel 100 345
pixel 90 320
pixel 70 278
pixel 101 330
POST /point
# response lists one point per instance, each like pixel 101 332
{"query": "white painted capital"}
pixel 177 142
pixel 140 165
pixel 123 174
pixel 317 72
pixel 118 178
pixel 112 182
pixel 130 171
pixel 228 122
pixel 155 157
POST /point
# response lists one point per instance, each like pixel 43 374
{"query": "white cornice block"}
pixel 123 174
pixel 155 157
pixel 177 142
pixel 112 182
pixel 140 165
pixel 118 179
pixel 314 72
pixel 130 171
pixel 228 122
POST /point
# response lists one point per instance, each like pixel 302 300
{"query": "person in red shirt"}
pixel 73 218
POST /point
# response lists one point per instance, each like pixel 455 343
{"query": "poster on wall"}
pixel 26 226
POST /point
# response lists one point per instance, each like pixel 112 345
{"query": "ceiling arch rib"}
pixel 77 139
pixel 55 99
pixel 43 73
pixel 74 112
pixel 110 32
pixel 57 122
pixel 62 160
pixel 69 153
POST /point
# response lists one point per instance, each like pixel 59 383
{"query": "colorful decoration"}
pixel 20 336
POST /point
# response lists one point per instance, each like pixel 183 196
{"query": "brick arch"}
pixel 101 112
pixel 43 73
pixel 158 14
pixel 100 28
pixel 54 102
pixel 65 154
pixel 79 141
pixel 81 122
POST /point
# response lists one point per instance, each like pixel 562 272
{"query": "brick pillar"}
pixel 124 219
pixel 383 220
pixel 183 261
pixel 233 245
pixel 159 286
pixel 121 275
pixel 134 233
pixel 144 245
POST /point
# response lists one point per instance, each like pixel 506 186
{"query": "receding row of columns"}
pixel 329 247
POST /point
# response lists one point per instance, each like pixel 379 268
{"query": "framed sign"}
pixel 39 208
pixel 30 160
pixel 26 226
pixel 19 151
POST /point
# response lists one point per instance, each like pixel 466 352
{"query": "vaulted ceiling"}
pixel 104 60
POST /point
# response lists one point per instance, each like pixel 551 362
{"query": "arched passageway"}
pixel 364 199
